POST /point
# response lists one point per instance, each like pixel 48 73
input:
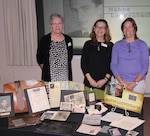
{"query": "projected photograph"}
pixel 79 16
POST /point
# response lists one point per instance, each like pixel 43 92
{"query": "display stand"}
pixel 125 111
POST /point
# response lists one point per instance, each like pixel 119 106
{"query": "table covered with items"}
pixel 61 108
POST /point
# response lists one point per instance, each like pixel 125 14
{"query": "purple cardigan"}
pixel 130 59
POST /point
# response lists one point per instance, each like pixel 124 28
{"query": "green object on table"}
pixel 99 94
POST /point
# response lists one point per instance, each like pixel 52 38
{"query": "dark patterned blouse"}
pixel 61 54
pixel 58 60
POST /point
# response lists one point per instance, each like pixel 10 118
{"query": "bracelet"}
pixel 106 79
pixel 136 82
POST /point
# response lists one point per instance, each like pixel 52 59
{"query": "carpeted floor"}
pixel 146 107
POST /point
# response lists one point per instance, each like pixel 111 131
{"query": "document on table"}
pixel 61 115
pixel 54 94
pixel 66 106
pixel 127 123
pixel 112 116
pixel 34 95
pixel 77 98
pixel 88 129
pixel 91 119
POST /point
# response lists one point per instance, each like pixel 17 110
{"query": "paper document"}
pixel 54 94
pixel 61 115
pixel 77 98
pixel 67 106
pixel 38 99
pixel 91 119
pixel 112 116
pixel 127 123
pixel 88 129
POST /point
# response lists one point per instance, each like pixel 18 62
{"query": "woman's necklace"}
pixel 99 46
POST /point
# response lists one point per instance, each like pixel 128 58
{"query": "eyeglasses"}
pixel 100 27
pixel 55 24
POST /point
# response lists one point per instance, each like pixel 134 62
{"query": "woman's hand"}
pixel 41 66
pixel 130 86
pixel 93 82
pixel 100 83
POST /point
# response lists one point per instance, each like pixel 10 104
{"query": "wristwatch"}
pixel 136 83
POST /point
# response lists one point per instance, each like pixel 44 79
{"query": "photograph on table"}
pixel 6 105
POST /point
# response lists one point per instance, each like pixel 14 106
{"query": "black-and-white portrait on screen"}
pixel 80 15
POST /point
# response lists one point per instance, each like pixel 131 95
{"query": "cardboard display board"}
pixel 127 100
pixel 17 88
pixel 54 90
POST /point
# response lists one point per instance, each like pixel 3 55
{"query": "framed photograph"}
pixel 6 105
pixel 37 99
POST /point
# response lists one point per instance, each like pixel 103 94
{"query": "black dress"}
pixel 95 60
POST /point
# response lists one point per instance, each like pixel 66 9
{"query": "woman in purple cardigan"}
pixel 130 58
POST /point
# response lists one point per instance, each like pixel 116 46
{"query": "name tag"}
pixel 104 45
pixel 69 44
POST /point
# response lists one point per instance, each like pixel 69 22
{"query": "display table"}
pixel 74 117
